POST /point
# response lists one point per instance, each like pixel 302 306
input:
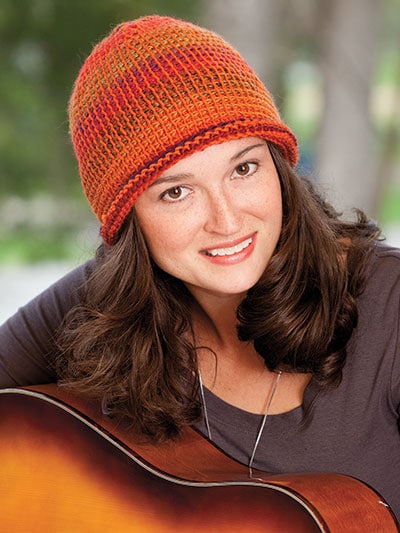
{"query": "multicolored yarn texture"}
pixel 153 92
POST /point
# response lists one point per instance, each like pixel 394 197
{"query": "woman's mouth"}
pixel 221 252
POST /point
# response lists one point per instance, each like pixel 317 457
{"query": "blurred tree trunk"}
pixel 344 35
pixel 345 159
pixel 252 27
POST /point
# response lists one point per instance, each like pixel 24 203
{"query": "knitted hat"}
pixel 154 91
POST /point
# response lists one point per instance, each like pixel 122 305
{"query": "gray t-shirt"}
pixel 352 429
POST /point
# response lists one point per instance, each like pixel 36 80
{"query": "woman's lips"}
pixel 232 251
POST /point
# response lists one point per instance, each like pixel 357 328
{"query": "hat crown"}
pixel 155 90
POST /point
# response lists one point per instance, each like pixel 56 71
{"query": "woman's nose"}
pixel 223 215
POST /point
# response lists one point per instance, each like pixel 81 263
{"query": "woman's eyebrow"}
pixel 172 178
pixel 245 150
pixel 186 175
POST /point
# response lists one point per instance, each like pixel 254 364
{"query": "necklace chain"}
pixel 271 396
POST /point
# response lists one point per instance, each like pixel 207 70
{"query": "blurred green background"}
pixel 43 214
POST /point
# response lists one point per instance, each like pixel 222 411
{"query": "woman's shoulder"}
pixel 374 346
pixel 27 339
pixel 77 278
pixel 383 249
pixel 384 263
pixel 381 294
pixel 54 302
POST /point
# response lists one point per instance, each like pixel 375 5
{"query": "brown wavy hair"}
pixel 131 342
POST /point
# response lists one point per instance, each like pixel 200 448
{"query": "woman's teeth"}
pixel 230 251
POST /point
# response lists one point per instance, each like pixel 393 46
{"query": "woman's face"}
pixel 214 218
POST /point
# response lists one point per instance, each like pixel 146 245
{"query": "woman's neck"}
pixel 232 369
pixel 215 319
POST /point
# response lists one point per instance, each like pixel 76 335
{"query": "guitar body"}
pixel 65 468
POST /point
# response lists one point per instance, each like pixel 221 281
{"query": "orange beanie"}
pixel 154 91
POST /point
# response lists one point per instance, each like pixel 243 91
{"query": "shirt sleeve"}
pixel 27 345
pixel 395 385
pixel 386 319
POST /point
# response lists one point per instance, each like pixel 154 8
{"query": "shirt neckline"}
pixel 229 415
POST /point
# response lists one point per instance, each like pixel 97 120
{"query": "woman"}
pixel 226 290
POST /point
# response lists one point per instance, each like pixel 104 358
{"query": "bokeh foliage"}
pixel 42 46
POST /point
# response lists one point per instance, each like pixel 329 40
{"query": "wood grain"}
pixel 66 468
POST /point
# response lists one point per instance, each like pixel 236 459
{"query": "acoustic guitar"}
pixel 66 468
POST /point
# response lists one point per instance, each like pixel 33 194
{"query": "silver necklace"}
pixel 271 395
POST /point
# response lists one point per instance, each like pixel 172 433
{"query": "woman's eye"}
pixel 175 193
pixel 245 169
